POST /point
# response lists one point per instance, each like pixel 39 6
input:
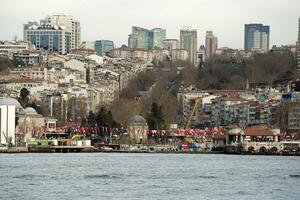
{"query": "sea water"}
pixel 148 176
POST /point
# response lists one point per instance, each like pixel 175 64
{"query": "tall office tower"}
pixel 211 44
pixel 298 47
pixel 71 25
pixel 140 38
pixel 48 37
pixel 188 41
pixel 159 35
pixel 102 47
pixel 171 44
pixel 257 37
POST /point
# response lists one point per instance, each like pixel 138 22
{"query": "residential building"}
pixel 188 41
pixel 48 37
pixel 257 37
pixel 211 44
pixel 102 47
pixel 28 57
pixel 159 35
pixel 180 55
pixel 54 104
pixel 10 47
pixel 294 117
pixel 171 44
pixel 70 25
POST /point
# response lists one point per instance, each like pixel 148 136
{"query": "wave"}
pixel 25 176
pixel 101 176
pixel 295 175
pixel 207 177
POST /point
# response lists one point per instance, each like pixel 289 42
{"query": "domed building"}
pixel 30 124
pixel 138 129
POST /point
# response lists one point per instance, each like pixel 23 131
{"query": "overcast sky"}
pixel 112 19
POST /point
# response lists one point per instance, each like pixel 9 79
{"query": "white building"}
pixel 180 54
pixel 71 25
pixel 171 44
pixel 8 108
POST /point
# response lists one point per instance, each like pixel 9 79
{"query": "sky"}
pixel 113 19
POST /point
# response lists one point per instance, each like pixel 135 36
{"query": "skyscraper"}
pixel 298 46
pixel 69 23
pixel 257 37
pixel 48 37
pixel 146 39
pixel 102 47
pixel 159 35
pixel 211 44
pixel 140 38
pixel 188 41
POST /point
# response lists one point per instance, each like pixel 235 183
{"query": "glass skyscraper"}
pixel 102 47
pixel 257 37
pixel 188 41
pixel 159 35
pixel 146 39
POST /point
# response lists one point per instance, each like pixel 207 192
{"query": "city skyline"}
pixel 227 21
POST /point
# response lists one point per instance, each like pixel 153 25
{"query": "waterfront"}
pixel 148 176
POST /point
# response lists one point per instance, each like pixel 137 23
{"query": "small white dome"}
pixel 30 110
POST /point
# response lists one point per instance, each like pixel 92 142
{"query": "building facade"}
pixel 48 37
pixel 70 24
pixel 257 37
pixel 188 41
pixel 171 44
pixel 211 44
pixel 28 57
pixel 159 35
pixel 141 38
pixel 102 47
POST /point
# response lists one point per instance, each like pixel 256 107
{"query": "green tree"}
pixel 155 117
pixel 91 118
pixel 24 97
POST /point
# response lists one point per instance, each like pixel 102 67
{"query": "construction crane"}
pixel 196 106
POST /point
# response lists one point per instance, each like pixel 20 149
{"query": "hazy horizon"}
pixel 113 19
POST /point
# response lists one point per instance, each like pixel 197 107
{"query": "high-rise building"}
pixel 257 37
pixel 159 35
pixel 171 44
pixel 188 41
pixel 88 45
pixel 211 44
pixel 141 38
pixel 102 47
pixel 48 37
pixel 298 47
pixel 69 23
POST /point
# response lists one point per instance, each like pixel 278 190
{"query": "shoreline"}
pixel 25 150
